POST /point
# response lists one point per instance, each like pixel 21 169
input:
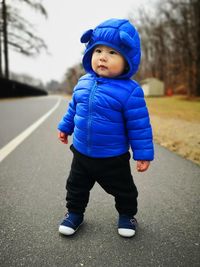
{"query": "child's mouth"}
pixel 102 67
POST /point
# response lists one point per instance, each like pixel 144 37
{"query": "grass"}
pixel 175 107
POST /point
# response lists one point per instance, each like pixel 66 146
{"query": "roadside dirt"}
pixel 179 136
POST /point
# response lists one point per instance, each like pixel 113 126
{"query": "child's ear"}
pixel 126 39
pixel 85 38
pixel 132 42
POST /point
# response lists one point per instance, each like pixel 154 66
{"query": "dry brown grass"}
pixel 178 107
pixel 176 124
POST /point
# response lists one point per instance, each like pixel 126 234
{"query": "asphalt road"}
pixel 32 195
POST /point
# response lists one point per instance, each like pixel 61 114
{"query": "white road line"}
pixel 7 149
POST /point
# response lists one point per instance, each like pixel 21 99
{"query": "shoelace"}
pixel 133 221
pixel 67 219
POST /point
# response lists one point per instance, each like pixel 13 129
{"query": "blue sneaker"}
pixel 127 225
pixel 70 223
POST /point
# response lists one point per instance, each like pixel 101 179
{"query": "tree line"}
pixel 170 38
pixel 171 44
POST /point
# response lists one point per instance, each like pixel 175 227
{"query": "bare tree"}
pixel 72 75
pixel 1 67
pixel 5 37
pixel 22 37
pixel 181 21
pixel 171 44
pixel 18 33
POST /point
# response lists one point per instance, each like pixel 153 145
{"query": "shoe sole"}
pixel 65 230
pixel 126 232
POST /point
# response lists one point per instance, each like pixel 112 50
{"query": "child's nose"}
pixel 103 57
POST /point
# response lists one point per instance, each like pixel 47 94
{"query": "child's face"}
pixel 107 62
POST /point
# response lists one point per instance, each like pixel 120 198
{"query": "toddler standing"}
pixel 107 115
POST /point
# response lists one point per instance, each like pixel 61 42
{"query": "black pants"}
pixel 112 174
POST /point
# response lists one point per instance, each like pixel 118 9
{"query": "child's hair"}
pixel 126 69
pixel 119 34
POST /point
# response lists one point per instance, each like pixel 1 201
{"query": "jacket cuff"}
pixel 147 154
pixel 61 127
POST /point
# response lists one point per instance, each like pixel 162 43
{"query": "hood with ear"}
pixel 119 34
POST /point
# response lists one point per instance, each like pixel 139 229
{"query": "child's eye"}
pixel 98 50
pixel 112 52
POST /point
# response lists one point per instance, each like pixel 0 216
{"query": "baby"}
pixel 107 115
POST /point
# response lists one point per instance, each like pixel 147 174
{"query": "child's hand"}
pixel 142 165
pixel 63 137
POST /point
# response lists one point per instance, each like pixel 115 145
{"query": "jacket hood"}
pixel 119 34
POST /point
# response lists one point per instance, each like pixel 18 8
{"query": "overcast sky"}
pixel 66 22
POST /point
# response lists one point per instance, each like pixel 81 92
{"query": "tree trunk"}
pixel 1 69
pixel 5 39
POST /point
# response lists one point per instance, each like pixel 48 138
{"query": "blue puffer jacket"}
pixel 107 116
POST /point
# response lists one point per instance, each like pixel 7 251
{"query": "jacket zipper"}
pixel 93 90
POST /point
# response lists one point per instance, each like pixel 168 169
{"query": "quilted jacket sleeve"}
pixel 138 126
pixel 66 125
